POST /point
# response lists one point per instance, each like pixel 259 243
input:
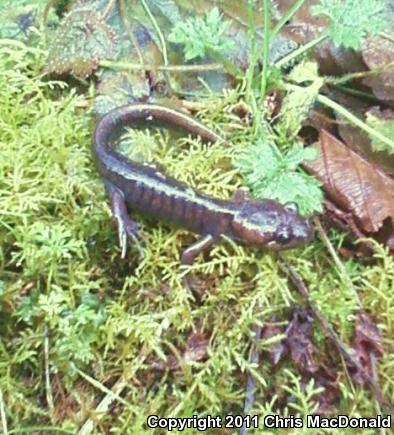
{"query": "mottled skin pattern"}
pixel 133 186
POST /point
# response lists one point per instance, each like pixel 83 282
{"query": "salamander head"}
pixel 267 223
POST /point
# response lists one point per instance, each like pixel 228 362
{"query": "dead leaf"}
pixel 196 349
pixel 299 339
pixel 378 52
pixel 367 347
pixel 353 183
pixel 357 139
pixel 82 40
pixel 328 379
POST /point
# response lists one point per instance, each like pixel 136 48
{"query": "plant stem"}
pixel 226 64
pixel 343 275
pixel 40 429
pixel 356 92
pixel 158 31
pixel 286 17
pixel 250 98
pixel 266 49
pixel 301 50
pixel 126 66
pixel 108 8
pixel 355 120
pixel 2 415
pixel 101 387
pixel 127 25
pixel 48 387
pixel 358 75
pixel 386 36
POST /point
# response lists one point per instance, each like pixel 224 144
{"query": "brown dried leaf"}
pixel 355 138
pixel 302 351
pixel 367 347
pixel 299 339
pixel 360 142
pixel 195 350
pixel 378 52
pixel 353 183
pixel 82 40
pixel 328 379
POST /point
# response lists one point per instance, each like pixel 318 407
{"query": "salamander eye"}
pixel 291 207
pixel 282 239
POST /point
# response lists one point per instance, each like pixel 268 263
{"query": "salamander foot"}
pixel 127 228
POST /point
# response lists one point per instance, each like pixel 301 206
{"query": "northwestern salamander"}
pixel 136 187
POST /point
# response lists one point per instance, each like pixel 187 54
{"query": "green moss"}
pixel 65 287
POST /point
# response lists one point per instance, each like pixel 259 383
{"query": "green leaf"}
pixel 385 126
pixel 297 187
pixel 299 99
pixel 199 36
pixel 270 175
pixel 353 20
pixel 298 154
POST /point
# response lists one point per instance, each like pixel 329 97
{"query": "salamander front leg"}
pixel 126 226
pixel 192 251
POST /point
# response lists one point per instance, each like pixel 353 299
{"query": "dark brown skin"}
pixel 133 186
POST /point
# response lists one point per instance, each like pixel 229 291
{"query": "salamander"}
pixel 137 187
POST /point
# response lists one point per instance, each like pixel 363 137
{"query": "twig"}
pixel 40 430
pixel 356 92
pixel 303 291
pixel 111 395
pixel 108 8
pixel 48 388
pixel 126 66
pixel 252 59
pixel 103 406
pixel 373 358
pixel 251 381
pixel 2 414
pixel 358 75
pixel 387 36
pixel 341 269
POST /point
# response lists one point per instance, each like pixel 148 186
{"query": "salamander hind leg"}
pixel 189 255
pixel 126 226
